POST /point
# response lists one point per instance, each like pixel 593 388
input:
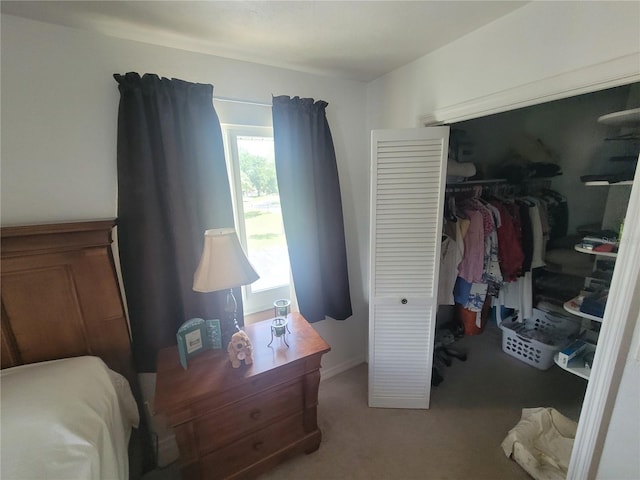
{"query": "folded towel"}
pixel 456 169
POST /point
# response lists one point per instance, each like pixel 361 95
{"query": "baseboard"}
pixel 326 373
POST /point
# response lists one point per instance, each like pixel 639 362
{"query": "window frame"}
pixel 253 301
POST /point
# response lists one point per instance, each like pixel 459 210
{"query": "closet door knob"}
pixel 404 301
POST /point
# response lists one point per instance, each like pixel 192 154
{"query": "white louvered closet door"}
pixel 408 179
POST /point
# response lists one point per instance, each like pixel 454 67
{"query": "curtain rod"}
pixel 246 102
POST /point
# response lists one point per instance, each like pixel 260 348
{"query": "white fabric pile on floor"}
pixel 541 443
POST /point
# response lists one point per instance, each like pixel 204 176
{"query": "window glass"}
pixel 258 214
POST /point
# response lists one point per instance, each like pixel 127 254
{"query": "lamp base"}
pixel 227 329
pixel 229 325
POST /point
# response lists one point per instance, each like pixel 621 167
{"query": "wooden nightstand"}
pixel 232 423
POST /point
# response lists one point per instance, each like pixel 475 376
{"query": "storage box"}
pixel 572 351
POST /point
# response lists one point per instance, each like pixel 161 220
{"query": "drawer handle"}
pixel 255 414
pixel 258 445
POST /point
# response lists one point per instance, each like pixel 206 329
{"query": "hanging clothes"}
pixel 451 253
pixel 510 255
pixel 472 265
pixel 526 230
pixel 537 233
pixel 505 240
pixel 557 213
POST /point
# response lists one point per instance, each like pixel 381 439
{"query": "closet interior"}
pixel 535 205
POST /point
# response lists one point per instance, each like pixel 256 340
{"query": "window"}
pixel 258 215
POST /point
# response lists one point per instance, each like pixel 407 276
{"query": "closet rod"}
pixel 246 102
pixel 472 184
pixel 479 182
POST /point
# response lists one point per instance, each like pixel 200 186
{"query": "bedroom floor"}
pixel 458 438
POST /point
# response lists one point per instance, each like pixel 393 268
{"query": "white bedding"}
pixel 65 419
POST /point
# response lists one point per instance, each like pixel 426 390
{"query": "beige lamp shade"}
pixel 223 263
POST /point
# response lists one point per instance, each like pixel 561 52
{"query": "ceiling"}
pixel 359 40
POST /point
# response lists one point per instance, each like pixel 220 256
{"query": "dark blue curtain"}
pixel 172 186
pixel 311 207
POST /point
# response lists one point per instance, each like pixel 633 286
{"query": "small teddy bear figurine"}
pixel 240 349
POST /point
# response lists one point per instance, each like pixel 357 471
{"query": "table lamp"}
pixel 224 265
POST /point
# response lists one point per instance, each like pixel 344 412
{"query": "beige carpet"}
pixel 458 438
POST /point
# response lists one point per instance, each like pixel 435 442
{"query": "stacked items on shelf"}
pixel 592 300
pixel 602 242
pixel 577 358
pixel 603 245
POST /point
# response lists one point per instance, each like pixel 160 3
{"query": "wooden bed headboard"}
pixel 60 295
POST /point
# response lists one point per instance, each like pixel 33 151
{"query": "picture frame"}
pixel 214 334
pixel 197 335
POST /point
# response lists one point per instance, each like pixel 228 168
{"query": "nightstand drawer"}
pixel 252 448
pixel 229 423
pixel 231 395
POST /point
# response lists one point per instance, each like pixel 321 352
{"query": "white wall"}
pixel 541 40
pixel 59 118
pixel 565 47
pixel 620 459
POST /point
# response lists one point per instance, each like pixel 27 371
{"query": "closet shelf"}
pixel 573 306
pixel 600 183
pixel 578 248
pixel 576 365
pixel 624 118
